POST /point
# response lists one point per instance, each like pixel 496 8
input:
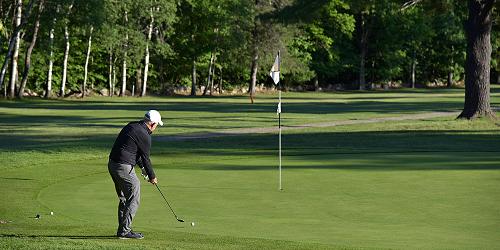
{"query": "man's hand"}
pixel 153 181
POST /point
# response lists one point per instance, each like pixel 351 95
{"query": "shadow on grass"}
pixel 360 150
pixel 368 162
pixel 307 106
pixel 382 150
pixel 75 237
pixel 17 179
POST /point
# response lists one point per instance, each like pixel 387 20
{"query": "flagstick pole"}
pixel 279 115
pixel 279 126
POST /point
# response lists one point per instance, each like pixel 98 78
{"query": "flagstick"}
pixel 279 126
pixel 279 115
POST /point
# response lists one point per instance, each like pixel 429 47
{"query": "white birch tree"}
pixel 66 54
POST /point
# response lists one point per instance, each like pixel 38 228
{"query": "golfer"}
pixel 132 147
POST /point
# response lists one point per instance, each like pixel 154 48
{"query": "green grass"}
pixel 421 184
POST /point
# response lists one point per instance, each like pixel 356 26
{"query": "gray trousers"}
pixel 128 189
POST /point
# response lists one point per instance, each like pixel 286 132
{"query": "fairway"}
pixel 409 184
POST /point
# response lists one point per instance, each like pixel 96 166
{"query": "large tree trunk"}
pixel 477 62
pixel 15 53
pixel 146 58
pixel 193 79
pixel 87 63
pixel 27 61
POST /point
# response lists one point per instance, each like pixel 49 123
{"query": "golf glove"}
pixel 144 174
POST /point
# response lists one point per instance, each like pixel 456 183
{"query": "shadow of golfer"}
pixel 75 237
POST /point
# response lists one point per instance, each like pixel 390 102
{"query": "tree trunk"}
pixel 114 76
pixel 213 75
pixel 48 90
pixel 12 43
pixel 363 49
pixel 124 75
pixel 124 68
pixel 316 83
pixel 253 75
pixel 193 77
pixel 220 81
pixel 15 53
pixel 255 62
pixel 413 71
pixel 449 83
pixel 209 77
pixel 66 55
pixel 110 74
pixel 65 62
pixel 87 63
pixel 477 62
pixel 146 58
pixel 146 70
pixel 27 61
pixel 138 81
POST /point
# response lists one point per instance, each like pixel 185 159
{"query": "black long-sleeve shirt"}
pixel 132 146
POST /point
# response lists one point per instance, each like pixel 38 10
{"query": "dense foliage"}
pixel 213 44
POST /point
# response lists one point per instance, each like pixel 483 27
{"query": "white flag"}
pixel 278 111
pixel 275 70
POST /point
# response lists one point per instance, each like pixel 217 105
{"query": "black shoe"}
pixel 131 235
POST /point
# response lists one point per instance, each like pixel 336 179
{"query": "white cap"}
pixel 154 116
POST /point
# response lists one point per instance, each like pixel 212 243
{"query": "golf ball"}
pixel 192 224
pixel 51 213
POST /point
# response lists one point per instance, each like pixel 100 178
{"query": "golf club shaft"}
pixel 167 202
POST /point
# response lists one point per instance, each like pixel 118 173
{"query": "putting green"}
pixel 331 202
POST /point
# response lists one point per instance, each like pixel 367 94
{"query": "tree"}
pixel 27 61
pixel 87 16
pixel 14 44
pixel 15 53
pixel 157 16
pixel 62 91
pixel 478 59
pixel 53 20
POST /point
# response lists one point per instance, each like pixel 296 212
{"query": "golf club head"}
pixel 180 220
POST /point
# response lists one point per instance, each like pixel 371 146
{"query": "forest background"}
pixel 75 48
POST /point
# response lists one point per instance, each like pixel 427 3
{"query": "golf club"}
pixel 180 220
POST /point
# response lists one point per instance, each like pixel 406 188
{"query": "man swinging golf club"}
pixel 132 147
